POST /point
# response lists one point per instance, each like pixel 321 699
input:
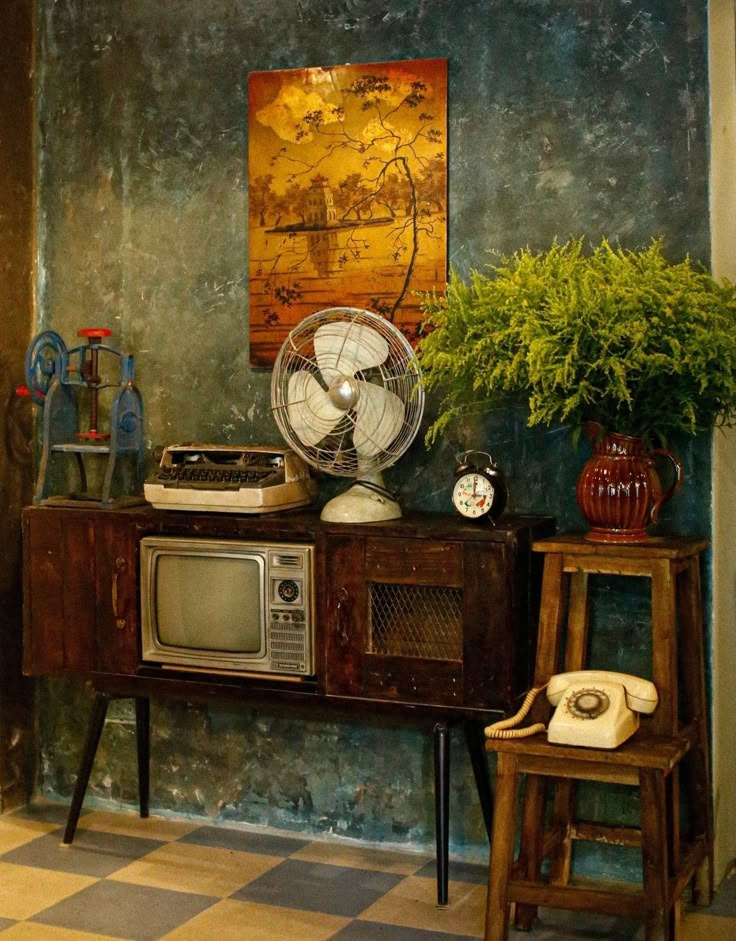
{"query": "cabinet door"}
pixel 59 592
pixel 80 595
pixel 395 619
pixel 116 596
pixel 496 628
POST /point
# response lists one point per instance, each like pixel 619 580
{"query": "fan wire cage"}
pixel 346 391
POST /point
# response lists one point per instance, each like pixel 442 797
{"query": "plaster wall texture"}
pixel 564 119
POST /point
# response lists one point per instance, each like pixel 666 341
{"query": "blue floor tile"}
pixel 135 912
pixel 91 854
pixel 244 841
pixel 315 887
pixel 375 931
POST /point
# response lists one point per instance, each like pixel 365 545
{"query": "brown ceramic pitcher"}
pixel 619 491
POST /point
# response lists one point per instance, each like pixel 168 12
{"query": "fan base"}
pixel 360 505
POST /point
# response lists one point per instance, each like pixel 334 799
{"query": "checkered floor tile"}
pixel 126 879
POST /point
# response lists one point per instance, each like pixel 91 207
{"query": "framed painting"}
pixel 347 194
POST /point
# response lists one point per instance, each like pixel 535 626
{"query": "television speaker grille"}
pixel 287 646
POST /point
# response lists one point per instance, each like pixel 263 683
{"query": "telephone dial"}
pixel 594 708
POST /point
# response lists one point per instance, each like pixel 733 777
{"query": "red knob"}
pixel 22 391
pixel 94 332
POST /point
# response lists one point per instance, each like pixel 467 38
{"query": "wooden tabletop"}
pixel 656 547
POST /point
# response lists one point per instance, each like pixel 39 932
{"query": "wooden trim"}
pixel 629 903
pixel 664 547
pixel 643 750
pixel 582 771
pixel 693 856
pixel 600 833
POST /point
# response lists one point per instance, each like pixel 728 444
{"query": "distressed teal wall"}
pixel 565 119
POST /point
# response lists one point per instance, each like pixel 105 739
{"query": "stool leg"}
pixel 94 731
pixel 563 814
pixel 697 762
pixel 576 649
pixel 502 848
pixel 531 844
pixel 660 918
pixel 143 746
pixel 664 647
pixel 551 616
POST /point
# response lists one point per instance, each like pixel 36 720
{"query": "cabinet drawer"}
pixel 413 561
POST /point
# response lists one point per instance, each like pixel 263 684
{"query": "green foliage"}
pixel 623 338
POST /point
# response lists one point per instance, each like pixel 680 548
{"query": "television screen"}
pixel 212 603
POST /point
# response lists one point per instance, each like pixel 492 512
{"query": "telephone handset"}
pixel 595 708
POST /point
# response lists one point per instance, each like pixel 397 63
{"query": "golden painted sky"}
pixel 279 99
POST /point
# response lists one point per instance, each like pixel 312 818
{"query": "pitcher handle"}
pixel 663 452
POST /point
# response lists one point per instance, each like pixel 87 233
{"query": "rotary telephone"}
pixel 594 708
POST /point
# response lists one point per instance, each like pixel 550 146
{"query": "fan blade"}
pixel 310 411
pixel 380 415
pixel 344 348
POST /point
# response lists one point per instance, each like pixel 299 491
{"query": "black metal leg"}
pixel 476 742
pixel 442 807
pixel 94 731
pixel 143 744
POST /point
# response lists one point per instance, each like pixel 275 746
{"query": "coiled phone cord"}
pixel 506 728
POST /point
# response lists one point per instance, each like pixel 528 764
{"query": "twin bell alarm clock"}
pixel 480 488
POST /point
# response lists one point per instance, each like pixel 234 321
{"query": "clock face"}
pixel 473 495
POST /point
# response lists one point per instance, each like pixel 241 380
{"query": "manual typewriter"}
pixel 229 479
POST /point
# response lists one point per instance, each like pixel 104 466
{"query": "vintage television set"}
pixel 227 605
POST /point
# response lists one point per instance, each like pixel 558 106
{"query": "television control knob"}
pixel 288 590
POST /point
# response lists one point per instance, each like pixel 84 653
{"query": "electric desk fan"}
pixel 347 396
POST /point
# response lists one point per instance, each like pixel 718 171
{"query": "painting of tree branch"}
pixel 347 193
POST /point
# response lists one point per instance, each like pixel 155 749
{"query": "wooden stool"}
pixel 675 735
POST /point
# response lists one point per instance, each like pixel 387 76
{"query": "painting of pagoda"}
pixel 347 194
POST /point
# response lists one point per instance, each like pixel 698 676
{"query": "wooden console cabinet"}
pixel 432 613
pixel 427 616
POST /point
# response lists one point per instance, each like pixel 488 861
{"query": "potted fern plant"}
pixel 623 345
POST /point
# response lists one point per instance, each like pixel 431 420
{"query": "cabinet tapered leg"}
pixel 94 731
pixel 476 742
pixel 442 807
pixel 143 746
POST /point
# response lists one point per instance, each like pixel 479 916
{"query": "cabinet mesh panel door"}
pixel 416 621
